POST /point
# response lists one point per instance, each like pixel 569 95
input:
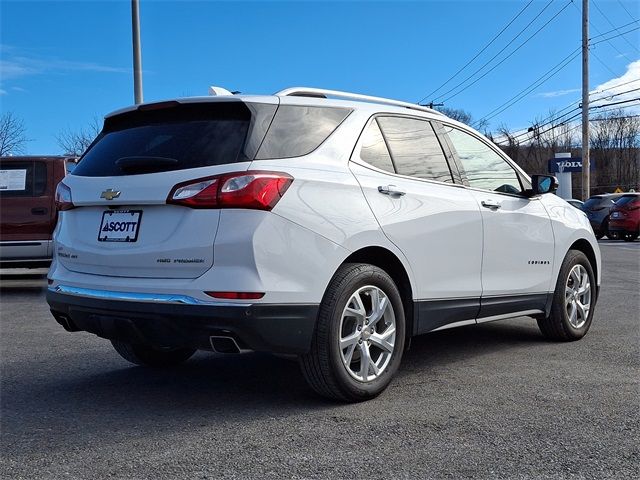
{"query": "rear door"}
pixel 436 223
pixel 121 224
pixel 518 251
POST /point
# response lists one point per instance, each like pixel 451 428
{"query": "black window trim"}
pixel 355 154
pixel 522 179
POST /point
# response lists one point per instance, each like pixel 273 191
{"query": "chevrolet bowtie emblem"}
pixel 110 194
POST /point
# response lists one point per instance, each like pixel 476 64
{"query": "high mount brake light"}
pixel 256 190
pixel 63 198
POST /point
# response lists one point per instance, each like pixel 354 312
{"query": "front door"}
pixel 518 251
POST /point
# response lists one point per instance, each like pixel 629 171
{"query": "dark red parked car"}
pixel 624 217
pixel 27 211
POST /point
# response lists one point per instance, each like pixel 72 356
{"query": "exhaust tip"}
pixel 65 321
pixel 222 344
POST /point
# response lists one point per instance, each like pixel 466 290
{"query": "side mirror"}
pixel 541 184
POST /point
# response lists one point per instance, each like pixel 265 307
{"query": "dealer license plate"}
pixel 120 226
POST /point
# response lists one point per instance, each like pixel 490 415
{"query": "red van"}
pixel 27 211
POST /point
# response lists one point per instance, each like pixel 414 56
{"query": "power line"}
pixel 610 43
pixel 540 81
pixel 615 36
pixel 603 64
pixel 625 9
pixel 611 31
pixel 497 54
pixel 565 121
pixel 506 58
pixel 609 97
pixel 480 52
pixel 615 28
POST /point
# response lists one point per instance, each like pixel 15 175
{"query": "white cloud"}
pixel 619 90
pixel 16 64
pixel 558 93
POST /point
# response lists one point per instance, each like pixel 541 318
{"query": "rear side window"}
pixel 23 179
pixel 374 149
pixel 298 130
pixel 415 149
pixel 177 137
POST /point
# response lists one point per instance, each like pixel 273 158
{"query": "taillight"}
pixel 63 199
pixel 257 190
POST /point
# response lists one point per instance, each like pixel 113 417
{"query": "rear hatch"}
pixel 118 222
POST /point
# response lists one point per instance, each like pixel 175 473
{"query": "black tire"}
pixel 323 366
pixel 599 234
pixel 629 237
pixel 556 326
pixel 152 357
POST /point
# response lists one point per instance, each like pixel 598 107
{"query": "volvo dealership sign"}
pixel 573 164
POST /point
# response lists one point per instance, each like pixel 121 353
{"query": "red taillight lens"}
pixel 236 295
pixel 255 190
pixel 63 199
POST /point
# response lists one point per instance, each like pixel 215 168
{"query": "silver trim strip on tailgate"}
pixel 139 297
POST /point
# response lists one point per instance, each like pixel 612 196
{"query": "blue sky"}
pixel 64 63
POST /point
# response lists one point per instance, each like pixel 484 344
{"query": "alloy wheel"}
pixel 367 333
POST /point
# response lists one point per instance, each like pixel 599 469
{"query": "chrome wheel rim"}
pixel 367 333
pixel 578 296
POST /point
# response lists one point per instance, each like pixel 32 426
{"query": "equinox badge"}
pixel 110 194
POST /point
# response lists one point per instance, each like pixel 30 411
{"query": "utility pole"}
pixel 586 164
pixel 137 55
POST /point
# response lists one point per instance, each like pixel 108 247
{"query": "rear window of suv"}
pixel 176 137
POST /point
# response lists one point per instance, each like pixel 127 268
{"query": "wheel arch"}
pixel 390 263
pixel 583 245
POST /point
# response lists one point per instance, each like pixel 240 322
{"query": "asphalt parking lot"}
pixel 489 401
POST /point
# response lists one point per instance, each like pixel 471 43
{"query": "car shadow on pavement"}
pixel 235 387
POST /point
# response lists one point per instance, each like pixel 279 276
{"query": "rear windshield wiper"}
pixel 145 164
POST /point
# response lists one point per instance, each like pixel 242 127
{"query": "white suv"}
pixel 327 225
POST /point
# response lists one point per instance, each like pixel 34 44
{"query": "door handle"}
pixel 391 190
pixel 493 205
pixel 39 211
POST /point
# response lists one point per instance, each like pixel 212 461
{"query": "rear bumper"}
pixel 270 328
pixel 624 226
pixel 25 254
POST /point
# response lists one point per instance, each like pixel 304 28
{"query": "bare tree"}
pixel 12 135
pixel 75 142
pixel 464 117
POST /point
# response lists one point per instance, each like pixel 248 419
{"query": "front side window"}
pixel 485 169
pixel 374 149
pixel 415 149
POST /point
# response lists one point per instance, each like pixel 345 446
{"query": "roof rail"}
pixel 323 93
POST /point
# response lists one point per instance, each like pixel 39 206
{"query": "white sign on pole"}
pixel 13 179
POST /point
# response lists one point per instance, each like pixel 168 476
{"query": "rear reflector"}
pixel 257 190
pixel 236 295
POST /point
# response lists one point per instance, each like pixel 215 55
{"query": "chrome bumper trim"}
pixel 139 297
